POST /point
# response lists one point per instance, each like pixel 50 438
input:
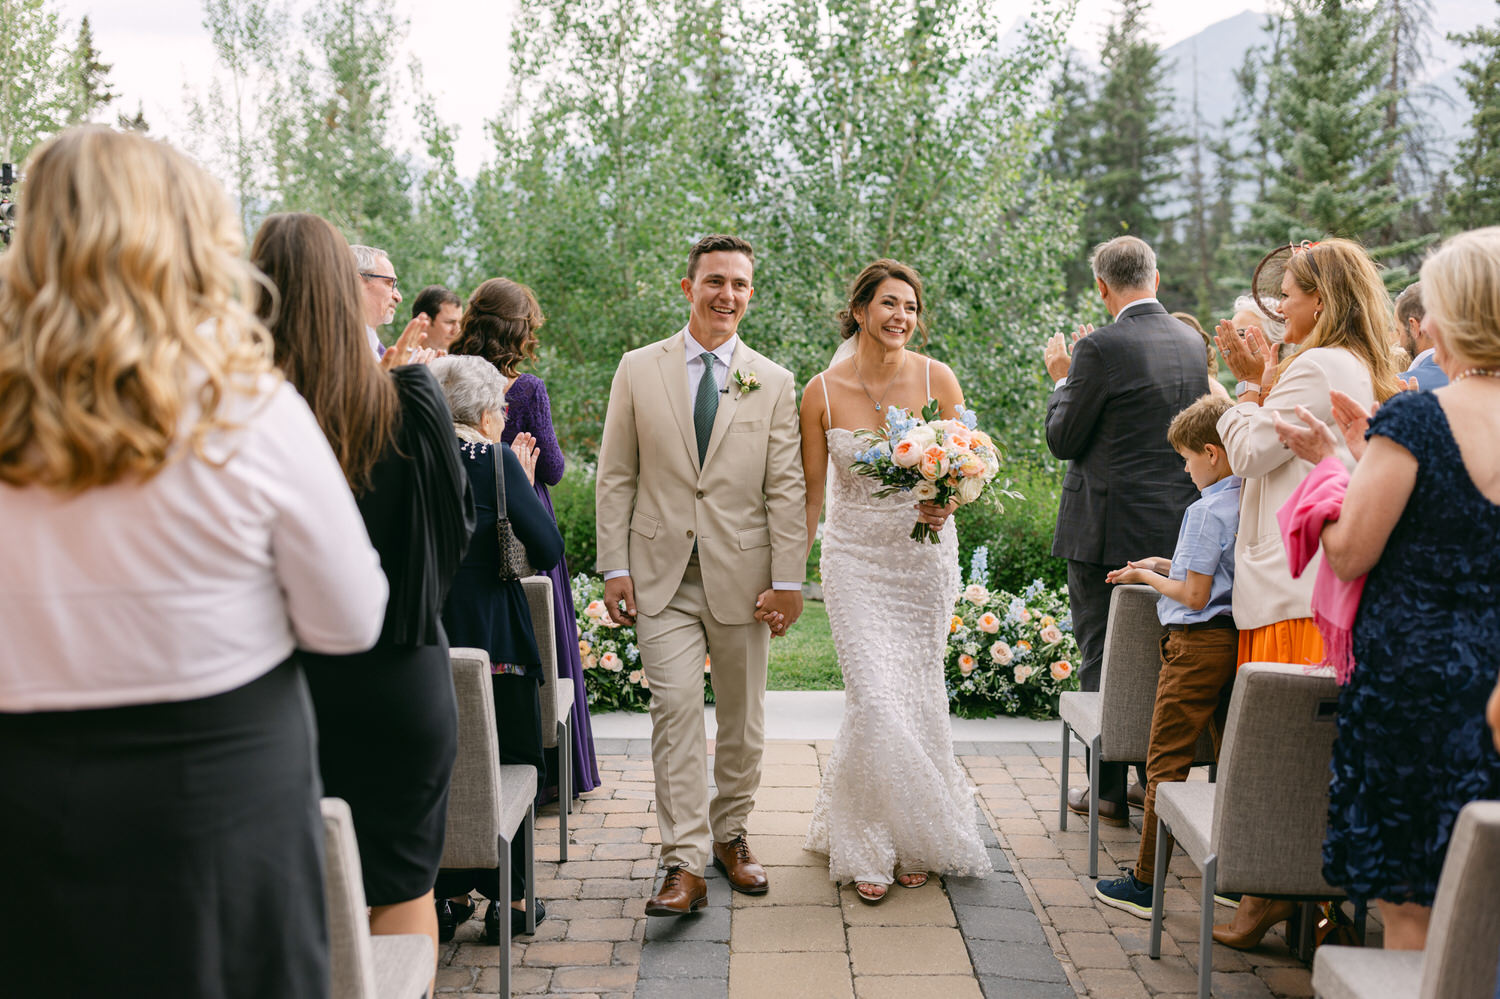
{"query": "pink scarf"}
pixel 1335 603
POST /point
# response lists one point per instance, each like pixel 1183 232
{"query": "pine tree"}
pixel 91 88
pixel 1475 198
pixel 45 85
pixel 1333 168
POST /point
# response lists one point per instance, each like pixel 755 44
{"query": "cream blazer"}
pixel 745 507
pixel 1264 590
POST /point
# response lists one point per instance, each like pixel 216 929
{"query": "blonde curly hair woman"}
pixel 177 524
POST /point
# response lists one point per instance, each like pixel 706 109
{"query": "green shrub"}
pixel 573 503
pixel 1020 538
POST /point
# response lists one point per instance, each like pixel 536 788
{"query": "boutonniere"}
pixel 747 381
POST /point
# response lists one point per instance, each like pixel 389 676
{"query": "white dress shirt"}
pixel 373 339
pixel 693 351
pixel 194 582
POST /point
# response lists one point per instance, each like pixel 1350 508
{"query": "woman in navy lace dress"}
pixel 1422 518
pixel 500 326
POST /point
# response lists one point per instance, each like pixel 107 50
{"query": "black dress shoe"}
pixel 1111 813
pixel 450 916
pixel 517 921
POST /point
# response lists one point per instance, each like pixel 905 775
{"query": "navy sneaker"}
pixel 1126 894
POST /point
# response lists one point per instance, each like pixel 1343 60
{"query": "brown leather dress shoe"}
pixel 740 866
pixel 1110 813
pixel 681 892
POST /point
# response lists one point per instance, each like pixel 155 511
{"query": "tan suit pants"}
pixel 673 646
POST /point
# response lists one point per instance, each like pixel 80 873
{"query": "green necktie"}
pixel 706 406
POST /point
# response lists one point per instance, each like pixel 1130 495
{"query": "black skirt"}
pixel 387 739
pixel 164 849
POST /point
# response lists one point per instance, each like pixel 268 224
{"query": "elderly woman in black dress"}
pixel 485 612
pixel 387 718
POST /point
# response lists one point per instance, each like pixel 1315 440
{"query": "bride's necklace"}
pixel 878 407
pixel 1486 372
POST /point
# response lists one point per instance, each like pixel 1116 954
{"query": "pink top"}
pixel 193 583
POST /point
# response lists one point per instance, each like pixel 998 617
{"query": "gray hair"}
pixel 1273 328
pixel 1125 262
pixel 367 258
pixel 472 387
pixel 1409 304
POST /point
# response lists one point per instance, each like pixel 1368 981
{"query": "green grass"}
pixel 804 659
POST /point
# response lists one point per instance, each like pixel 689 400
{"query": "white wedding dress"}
pixel 893 797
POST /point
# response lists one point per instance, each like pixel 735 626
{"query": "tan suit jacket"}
pixel 744 507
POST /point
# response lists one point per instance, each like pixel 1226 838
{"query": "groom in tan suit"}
pixel 702 541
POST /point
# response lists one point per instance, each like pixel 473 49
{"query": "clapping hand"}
pixel 1312 442
pixel 407 349
pixel 1353 420
pixel 1056 354
pixel 1250 358
pixel 524 447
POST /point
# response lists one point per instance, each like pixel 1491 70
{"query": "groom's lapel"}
pixel 727 402
pixel 673 367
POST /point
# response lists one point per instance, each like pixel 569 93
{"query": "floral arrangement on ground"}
pixel 1008 654
pixel 611 659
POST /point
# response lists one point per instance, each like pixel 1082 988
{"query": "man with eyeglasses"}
pixel 378 283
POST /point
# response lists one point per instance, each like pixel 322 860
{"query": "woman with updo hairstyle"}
pixel 387 717
pixel 1338 316
pixel 1420 521
pixel 500 325
pixel 177 526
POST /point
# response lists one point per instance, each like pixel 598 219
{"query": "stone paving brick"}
pixel 599 929
pixel 1095 950
pixel 1015 988
pixel 788 928
pixel 1106 983
pixel 1030 962
pixel 772 976
pixel 995 890
pixel 560 953
pixel 981 923
pixel 910 987
pixel 598 979
pixel 907 950
pixel 686 959
pixel 776 824
pixel 707 924
pixel 786 851
pixel 793 886
pixel 681 988
pixel 924 906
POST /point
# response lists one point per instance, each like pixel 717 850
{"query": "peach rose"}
pixel 907 453
pixel 584 648
pixel 589 662
pixel 1024 615
pixel 611 662
pixel 966 665
pixel 976 594
pixel 637 677
pixel 1051 634
pixel 934 462
pixel 989 623
pixel 1062 669
pixel 1001 653
pixel 596 610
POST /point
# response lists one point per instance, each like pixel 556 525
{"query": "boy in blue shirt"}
pixel 1198 652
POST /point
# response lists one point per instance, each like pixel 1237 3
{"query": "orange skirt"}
pixel 1295 641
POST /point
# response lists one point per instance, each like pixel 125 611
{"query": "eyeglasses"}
pixel 380 277
pixel 1304 245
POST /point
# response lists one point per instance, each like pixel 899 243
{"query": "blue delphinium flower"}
pixel 1036 587
pixel 968 417
pixel 979 566
pixel 631 652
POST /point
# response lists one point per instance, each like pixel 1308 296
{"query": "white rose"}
pixel 976 594
pixel 969 490
pixel 922 436
pixel 1001 653
pixel 1022 673
pixel 923 491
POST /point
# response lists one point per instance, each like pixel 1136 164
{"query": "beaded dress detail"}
pixel 893 797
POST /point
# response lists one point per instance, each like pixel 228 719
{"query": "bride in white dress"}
pixel 894 804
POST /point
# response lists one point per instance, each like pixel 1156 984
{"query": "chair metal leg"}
pixel 528 852
pixel 1163 836
pixel 1206 927
pixel 1094 807
pixel 1062 778
pixel 571 775
pixel 1307 926
pixel 502 900
pixel 564 787
pixel 1361 919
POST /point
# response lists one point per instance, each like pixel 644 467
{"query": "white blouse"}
pixel 192 583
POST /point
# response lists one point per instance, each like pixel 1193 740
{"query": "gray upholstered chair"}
pixel 1121 734
pixel 364 967
pixel 1462 941
pixel 1259 829
pixel 488 804
pixel 557 702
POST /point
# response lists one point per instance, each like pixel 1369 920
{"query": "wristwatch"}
pixel 1240 388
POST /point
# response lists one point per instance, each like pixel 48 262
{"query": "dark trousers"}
pixel 1088 599
pixel 1192 693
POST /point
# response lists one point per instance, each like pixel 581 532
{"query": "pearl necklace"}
pixel 1486 372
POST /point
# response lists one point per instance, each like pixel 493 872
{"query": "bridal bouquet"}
pixel 937 461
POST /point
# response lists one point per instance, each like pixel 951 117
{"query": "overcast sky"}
pixel 158 46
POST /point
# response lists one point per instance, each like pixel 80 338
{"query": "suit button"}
pixel 690 534
pixel 700 494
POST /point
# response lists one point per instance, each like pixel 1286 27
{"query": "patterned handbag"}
pixel 513 559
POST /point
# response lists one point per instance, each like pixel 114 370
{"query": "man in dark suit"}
pixel 1125 489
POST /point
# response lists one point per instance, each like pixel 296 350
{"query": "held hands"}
pixel 1139 571
pixel 1250 357
pixel 617 591
pixel 933 515
pixel 779 609
pixel 1311 443
pixel 407 349
pixel 524 447
pixel 1056 355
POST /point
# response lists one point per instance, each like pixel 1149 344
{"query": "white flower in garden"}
pixel 923 436
pixel 924 491
pixel 1001 653
pixel 988 623
pixel 1051 634
pixel 971 649
pixel 1022 673
pixel 611 662
pixel 976 594
pixel 969 490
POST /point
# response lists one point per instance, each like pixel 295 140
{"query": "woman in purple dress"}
pixel 500 326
